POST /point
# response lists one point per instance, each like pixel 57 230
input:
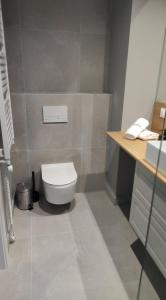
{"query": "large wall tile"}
pixel 10 12
pixel 81 140
pixel 91 182
pixel 39 157
pixel 95 119
pixel 55 58
pixel 93 161
pixel 61 15
pixel 51 61
pixel 101 108
pixel 14 59
pixel 20 121
pixel 53 136
pixel 20 161
pixel 92 63
pixel 93 16
pixel 58 46
pixel 87 120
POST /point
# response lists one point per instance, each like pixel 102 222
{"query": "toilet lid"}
pixel 59 174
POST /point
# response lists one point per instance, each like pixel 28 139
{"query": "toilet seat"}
pixel 59 174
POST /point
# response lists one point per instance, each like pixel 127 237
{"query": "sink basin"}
pixel 152 153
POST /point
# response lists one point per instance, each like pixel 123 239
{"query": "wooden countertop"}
pixel 136 149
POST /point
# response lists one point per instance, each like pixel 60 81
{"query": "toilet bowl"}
pixel 59 181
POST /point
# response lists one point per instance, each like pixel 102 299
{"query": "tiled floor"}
pixel 83 254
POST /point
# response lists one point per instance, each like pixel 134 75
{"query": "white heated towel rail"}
pixel 5 101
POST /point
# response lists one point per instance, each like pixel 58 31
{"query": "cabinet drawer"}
pixel 143 187
pixel 144 205
pixel 159 203
pixel 139 215
pixel 143 183
pixel 157 248
pixel 139 221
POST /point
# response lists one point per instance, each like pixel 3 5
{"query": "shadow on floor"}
pixel 53 209
pixel 121 241
pixel 125 208
pixel 118 237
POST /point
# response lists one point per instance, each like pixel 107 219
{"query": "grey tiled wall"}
pixel 56 45
pixel 82 139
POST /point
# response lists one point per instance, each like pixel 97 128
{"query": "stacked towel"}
pixel 148 135
pixel 135 130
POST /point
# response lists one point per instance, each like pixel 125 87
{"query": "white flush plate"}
pixel 55 114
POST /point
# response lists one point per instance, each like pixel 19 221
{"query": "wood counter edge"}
pixel 137 149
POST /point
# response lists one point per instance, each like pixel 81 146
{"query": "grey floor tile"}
pixel 22 227
pixel 132 289
pixel 44 224
pixel 95 264
pixel 147 290
pixel 117 236
pixel 54 269
pixel 16 280
pixel 20 253
pixel 110 219
pixel 16 284
pixel 21 213
pixel 129 272
pixel 106 293
pixel 103 209
pixel 94 260
pixel 73 294
pixel 56 250
pixel 76 255
pixel 80 215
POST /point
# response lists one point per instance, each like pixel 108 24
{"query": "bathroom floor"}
pixel 84 254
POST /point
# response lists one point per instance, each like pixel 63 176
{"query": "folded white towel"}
pixel 148 135
pixel 134 131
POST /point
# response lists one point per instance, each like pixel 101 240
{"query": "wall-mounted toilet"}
pixel 59 182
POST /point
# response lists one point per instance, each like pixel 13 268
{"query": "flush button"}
pixel 55 114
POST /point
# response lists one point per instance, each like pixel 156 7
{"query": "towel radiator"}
pixel 7 131
pixel 6 120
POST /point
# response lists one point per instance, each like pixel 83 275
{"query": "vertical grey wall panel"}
pixel 56 46
pixel 119 39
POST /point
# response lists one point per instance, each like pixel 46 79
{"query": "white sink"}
pixel 152 154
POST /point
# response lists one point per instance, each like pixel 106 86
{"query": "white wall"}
pixel 145 46
pixel 162 84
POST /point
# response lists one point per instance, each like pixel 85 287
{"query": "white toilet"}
pixel 59 182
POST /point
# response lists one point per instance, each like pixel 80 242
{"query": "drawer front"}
pixel 139 220
pixel 139 215
pixel 159 203
pixel 143 183
pixel 157 247
pixel 143 188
